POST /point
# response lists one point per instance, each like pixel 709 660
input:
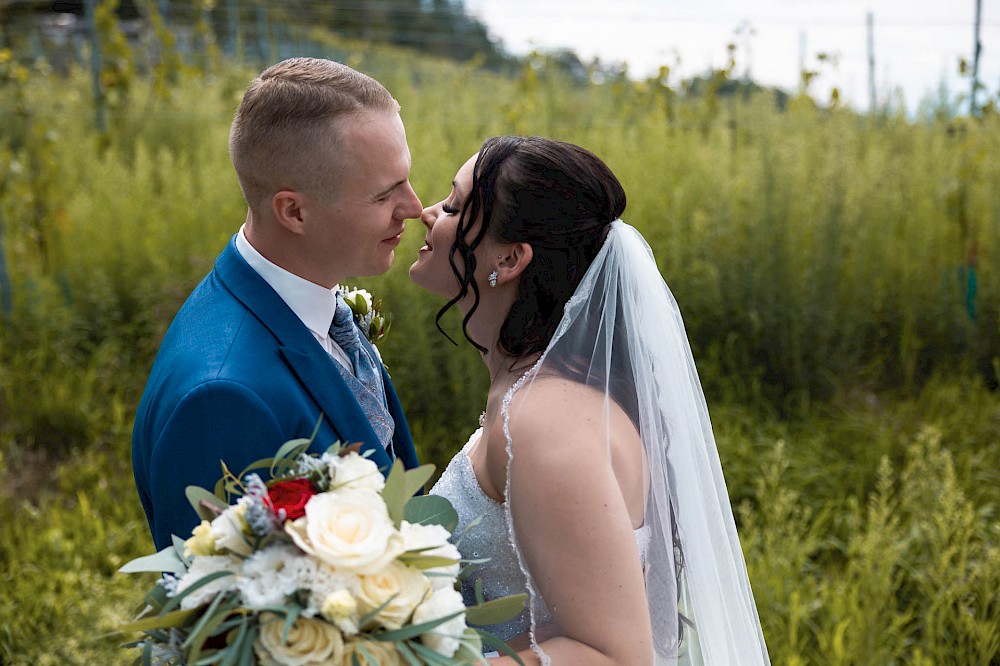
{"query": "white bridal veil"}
pixel 622 334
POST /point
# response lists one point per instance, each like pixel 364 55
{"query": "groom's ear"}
pixel 287 208
pixel 513 259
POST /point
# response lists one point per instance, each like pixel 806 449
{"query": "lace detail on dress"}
pixel 533 596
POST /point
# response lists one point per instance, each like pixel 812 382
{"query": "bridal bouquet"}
pixel 326 563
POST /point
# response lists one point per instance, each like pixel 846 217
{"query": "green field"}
pixel 839 276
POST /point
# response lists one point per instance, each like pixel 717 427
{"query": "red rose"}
pixel 291 496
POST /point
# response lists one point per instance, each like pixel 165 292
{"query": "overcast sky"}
pixel 917 43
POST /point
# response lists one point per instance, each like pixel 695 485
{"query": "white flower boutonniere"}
pixel 367 313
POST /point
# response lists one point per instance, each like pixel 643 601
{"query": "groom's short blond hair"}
pixel 285 134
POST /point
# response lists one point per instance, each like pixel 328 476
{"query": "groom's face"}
pixel 356 227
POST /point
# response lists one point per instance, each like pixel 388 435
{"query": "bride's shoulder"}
pixel 554 414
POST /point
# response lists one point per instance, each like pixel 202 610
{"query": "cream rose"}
pixel 309 643
pixel 444 638
pixel 230 529
pixel 339 605
pixel 350 530
pixel 384 654
pixel 400 587
pixel 355 471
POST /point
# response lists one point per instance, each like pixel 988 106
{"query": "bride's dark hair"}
pixel 557 197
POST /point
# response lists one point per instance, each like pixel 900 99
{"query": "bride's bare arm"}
pixel 573 525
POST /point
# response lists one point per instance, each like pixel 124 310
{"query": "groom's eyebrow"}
pixel 389 189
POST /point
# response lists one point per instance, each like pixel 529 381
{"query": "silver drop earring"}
pixel 492 277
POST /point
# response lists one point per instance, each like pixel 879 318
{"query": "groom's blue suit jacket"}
pixel 237 375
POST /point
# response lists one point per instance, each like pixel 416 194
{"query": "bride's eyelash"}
pixel 451 210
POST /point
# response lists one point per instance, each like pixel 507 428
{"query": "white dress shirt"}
pixel 312 304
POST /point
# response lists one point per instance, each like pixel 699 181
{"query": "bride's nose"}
pixel 428 217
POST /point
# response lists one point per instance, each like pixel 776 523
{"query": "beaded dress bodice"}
pixel 489 539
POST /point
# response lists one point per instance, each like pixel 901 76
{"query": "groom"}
pixel 265 345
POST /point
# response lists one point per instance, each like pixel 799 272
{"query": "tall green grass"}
pixel 821 259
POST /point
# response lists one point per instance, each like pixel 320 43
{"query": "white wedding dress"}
pixel 622 335
pixel 490 539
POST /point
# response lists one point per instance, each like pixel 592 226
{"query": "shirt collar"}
pixel 311 303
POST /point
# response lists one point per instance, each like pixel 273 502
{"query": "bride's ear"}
pixel 513 260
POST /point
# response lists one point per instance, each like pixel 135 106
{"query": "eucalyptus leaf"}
pixel 431 510
pixel 414 630
pixel 489 640
pixel 496 611
pixel 403 648
pixel 214 615
pixel 394 493
pixel 426 561
pixel 165 561
pixel 416 479
pixel 199 497
pixel 431 657
pixel 470 647
pixel 177 618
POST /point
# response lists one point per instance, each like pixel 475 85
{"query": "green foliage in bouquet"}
pixel 326 561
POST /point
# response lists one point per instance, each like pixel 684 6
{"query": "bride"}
pixel 594 478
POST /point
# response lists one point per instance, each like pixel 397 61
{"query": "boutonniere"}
pixel 367 313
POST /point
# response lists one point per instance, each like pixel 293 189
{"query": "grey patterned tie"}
pixel 347 336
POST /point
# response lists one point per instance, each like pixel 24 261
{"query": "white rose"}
pixel 309 643
pixel 364 294
pixel 202 567
pixel 399 587
pixel 433 540
pixel 444 638
pixel 355 471
pixel 349 529
pixel 230 529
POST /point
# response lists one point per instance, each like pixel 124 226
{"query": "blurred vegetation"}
pixel 838 275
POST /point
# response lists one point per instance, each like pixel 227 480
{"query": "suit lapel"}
pixel 304 356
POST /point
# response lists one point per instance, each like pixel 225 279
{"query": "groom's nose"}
pixel 411 206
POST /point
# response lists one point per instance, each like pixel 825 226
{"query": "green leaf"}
pixel 165 561
pixel 403 648
pixel 496 611
pixel 175 619
pixel 430 656
pixel 416 479
pixel 198 497
pixel 394 493
pixel 419 561
pixel 492 641
pixel 431 510
pixel 470 647
pixel 235 643
pixel 413 630
pixel 216 613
